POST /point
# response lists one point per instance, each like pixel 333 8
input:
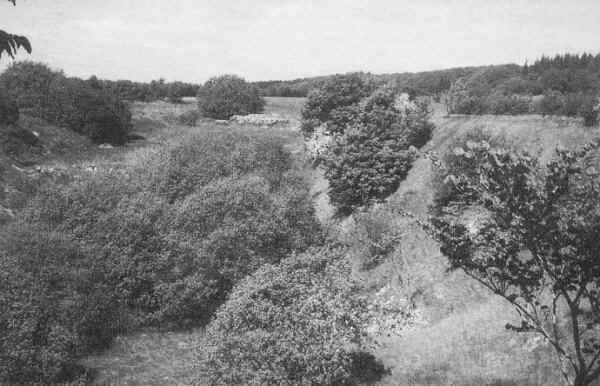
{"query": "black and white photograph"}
pixel 300 192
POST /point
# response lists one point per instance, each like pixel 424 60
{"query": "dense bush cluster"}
pixel 9 110
pixel 334 100
pixel 53 305
pixel 297 323
pixel 373 155
pixel 228 95
pixel 158 243
pixel 372 139
pixel 85 107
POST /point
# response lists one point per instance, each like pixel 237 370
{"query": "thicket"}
pixel 159 243
pixel 333 99
pixel 297 323
pixel 228 95
pixel 84 107
pixel 374 136
pixel 9 110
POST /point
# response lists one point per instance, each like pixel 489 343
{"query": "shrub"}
pixel 158 243
pixel 338 92
pixel 52 306
pixel 189 118
pixel 183 169
pixel 84 107
pixel 228 95
pixel 551 103
pixel 460 100
pixel 29 84
pixel 300 322
pixel 373 238
pixel 89 111
pixel 9 110
pixel 369 160
pixel 589 110
pixel 238 224
pixel 507 104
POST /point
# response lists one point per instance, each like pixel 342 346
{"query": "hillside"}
pixel 456 332
pixel 459 335
pixel 453 329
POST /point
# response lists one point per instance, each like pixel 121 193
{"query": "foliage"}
pixel 338 92
pixel 373 238
pixel 589 110
pixel 568 82
pixel 159 243
pixel 189 118
pixel 84 107
pixel 299 322
pixel 508 104
pixel 52 306
pixel 369 159
pixel 428 83
pixel 551 102
pixel 228 95
pixel 9 110
pixel 29 84
pixel 460 101
pixel 93 112
pixel 152 91
pixel 528 232
pixel 10 43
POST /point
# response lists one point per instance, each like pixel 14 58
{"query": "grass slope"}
pixel 460 338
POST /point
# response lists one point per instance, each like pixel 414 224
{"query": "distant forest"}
pixel 566 73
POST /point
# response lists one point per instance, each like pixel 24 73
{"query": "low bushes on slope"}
pixel 160 242
pixel 296 323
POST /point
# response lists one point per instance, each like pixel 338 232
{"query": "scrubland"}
pixel 436 327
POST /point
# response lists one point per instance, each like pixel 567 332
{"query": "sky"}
pixel 192 40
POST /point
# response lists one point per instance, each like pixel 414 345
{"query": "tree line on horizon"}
pixel 563 72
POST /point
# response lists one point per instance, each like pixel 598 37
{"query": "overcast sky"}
pixel 191 40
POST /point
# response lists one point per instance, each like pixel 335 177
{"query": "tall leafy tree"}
pixel 529 233
pixel 10 43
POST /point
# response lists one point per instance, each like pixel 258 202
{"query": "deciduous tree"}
pixel 10 43
pixel 529 233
